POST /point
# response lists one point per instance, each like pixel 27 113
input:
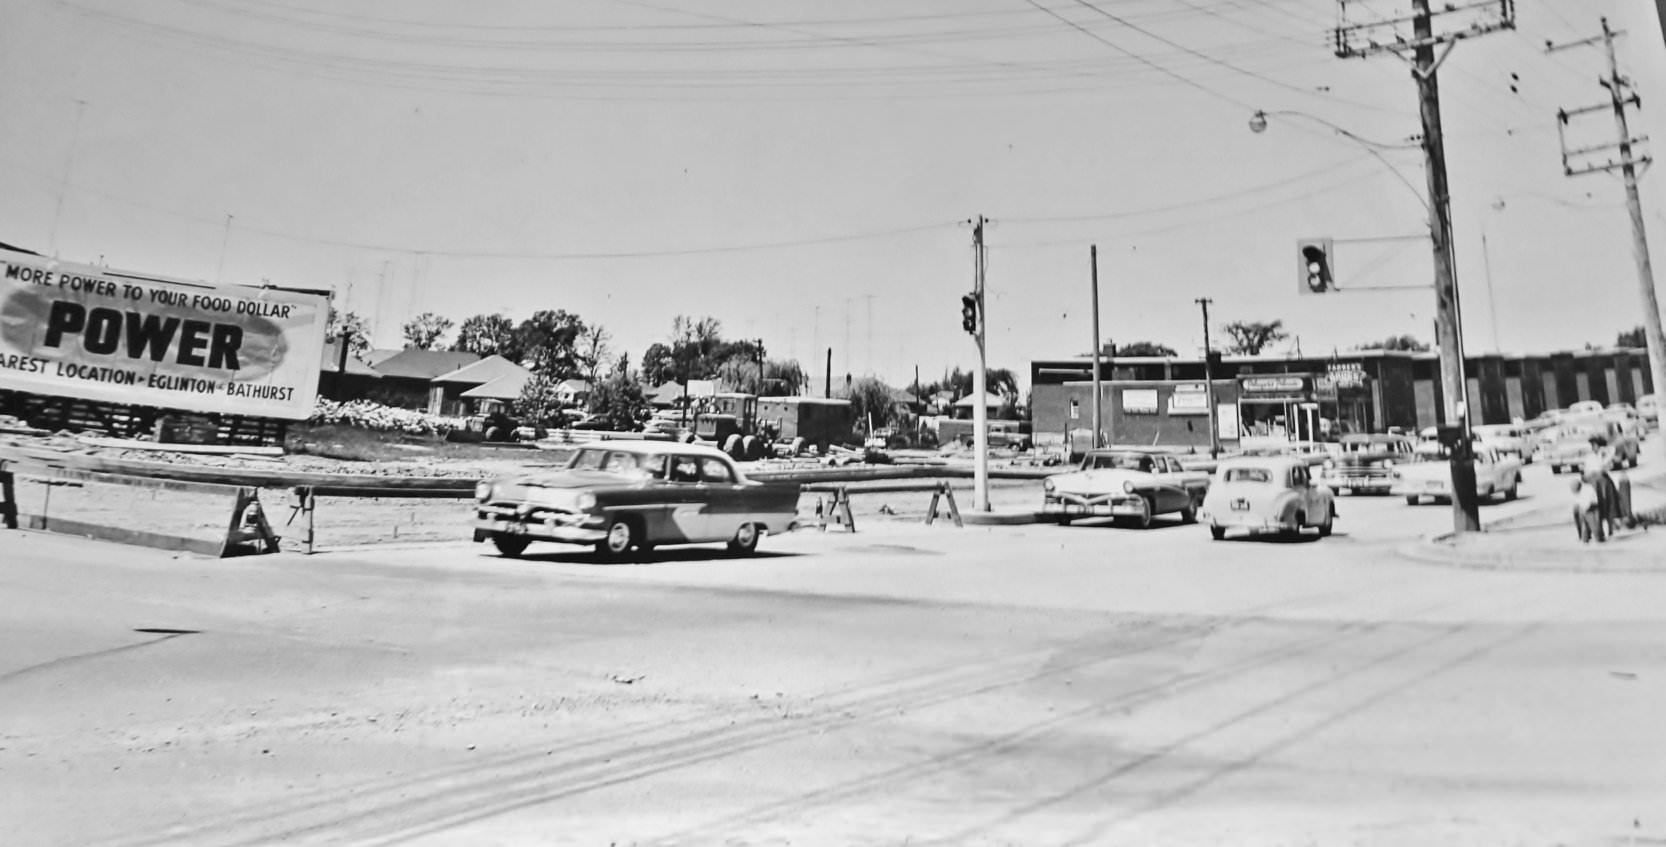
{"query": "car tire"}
pixel 1295 529
pixel 751 448
pixel 616 544
pixel 1513 491
pixel 1148 508
pixel 1325 528
pixel 510 546
pixel 745 542
pixel 1188 513
pixel 1217 532
pixel 1634 460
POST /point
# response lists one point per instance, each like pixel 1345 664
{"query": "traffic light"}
pixel 1317 275
pixel 969 313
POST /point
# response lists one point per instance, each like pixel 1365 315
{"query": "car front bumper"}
pixel 1119 505
pixel 1358 484
pixel 538 525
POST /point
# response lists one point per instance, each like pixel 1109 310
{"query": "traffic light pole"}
pixel 1209 382
pixel 1093 260
pixel 980 387
pixel 1466 507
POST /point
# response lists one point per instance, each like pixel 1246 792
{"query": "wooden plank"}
pixel 122 535
pixel 153 483
pixel 180 447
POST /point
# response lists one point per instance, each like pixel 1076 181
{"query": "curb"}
pixel 971 518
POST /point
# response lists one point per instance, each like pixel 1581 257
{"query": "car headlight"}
pixel 483 491
pixel 1388 464
pixel 1128 486
pixel 1330 465
pixel 1047 485
pixel 585 501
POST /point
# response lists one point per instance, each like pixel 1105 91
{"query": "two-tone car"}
pixel 1272 494
pixel 624 496
pixel 1496 474
pixel 1366 463
pixel 1124 483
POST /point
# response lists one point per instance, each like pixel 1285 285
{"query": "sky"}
pixel 807 172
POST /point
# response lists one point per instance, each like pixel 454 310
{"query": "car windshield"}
pixel 616 461
pixel 1117 461
pixel 1261 475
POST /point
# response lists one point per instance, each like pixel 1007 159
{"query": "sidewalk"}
pixel 1545 540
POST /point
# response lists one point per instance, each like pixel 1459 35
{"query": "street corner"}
pixel 1550 549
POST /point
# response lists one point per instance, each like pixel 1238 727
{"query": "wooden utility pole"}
pixel 1372 37
pixel 980 382
pixel 1580 161
pixel 1209 381
pixel 1093 261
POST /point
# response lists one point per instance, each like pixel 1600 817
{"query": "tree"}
pixel 593 352
pixel 1145 348
pixel 549 341
pixel 869 396
pixel 1634 337
pixel 424 331
pixel 658 367
pixel 618 400
pixel 488 335
pixel 1250 337
pixel 352 323
pixel 1395 342
pixel 537 403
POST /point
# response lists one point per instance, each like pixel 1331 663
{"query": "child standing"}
pixel 1587 512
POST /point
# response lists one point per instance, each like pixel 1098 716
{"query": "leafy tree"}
pixel 1634 337
pixel 1144 348
pixel 1250 337
pixel 424 331
pixel 488 335
pixel 593 352
pixel 783 378
pixel 1395 342
pixel 657 365
pixel 869 396
pixel 537 403
pixel 550 343
pixel 353 324
pixel 1000 381
pixel 619 400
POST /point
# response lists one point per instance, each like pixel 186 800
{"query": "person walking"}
pixel 1587 512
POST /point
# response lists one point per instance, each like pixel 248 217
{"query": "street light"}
pixel 1486 262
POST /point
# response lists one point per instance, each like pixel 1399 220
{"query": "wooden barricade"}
pixel 839 510
pixel 247 530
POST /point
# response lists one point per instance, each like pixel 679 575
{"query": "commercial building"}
pixel 1165 400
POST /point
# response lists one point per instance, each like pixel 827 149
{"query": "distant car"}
pixel 1569 443
pixel 1584 406
pixel 1267 494
pixel 633 496
pixel 1649 410
pixel 1508 439
pixel 1496 473
pixel 1134 484
pixel 1630 422
pixel 1366 463
pixel 1312 452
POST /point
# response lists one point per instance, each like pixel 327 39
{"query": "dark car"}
pixel 1365 463
pixel 624 496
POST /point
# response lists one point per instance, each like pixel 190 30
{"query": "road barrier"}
pixel 839 510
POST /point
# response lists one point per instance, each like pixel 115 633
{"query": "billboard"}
pixel 82 331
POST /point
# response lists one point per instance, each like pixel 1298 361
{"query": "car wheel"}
pixel 1514 490
pixel 1217 532
pixel 511 546
pixel 1325 528
pixel 1188 513
pixel 751 448
pixel 745 540
pixel 1634 460
pixel 1143 519
pixel 1295 528
pixel 620 538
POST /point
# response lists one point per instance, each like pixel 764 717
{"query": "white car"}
pixel 1649 409
pixel 1584 406
pixel 1496 474
pixel 1267 494
pixel 1505 438
pixel 1134 484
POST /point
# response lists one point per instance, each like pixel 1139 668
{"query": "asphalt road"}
pixel 988 685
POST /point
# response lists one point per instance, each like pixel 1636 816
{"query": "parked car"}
pixel 1312 452
pixel 633 495
pixel 1267 494
pixel 1570 443
pixel 1584 407
pixel 1135 484
pixel 1496 473
pixel 1366 463
pixel 1630 422
pixel 1649 409
pixel 1507 439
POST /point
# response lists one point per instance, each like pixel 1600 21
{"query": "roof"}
pixel 380 354
pixel 656 447
pixel 666 392
pixel 991 400
pixel 506 387
pixel 424 364
pixel 574 385
pixel 1278 462
pixel 484 371
pixel 355 367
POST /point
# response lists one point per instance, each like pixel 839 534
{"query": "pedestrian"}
pixel 1595 469
pixel 1587 512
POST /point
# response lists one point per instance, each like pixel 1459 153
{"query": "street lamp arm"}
pixel 1258 123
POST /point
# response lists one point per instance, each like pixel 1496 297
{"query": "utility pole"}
pixel 1209 381
pixel 1367 38
pixel 1578 162
pixel 980 387
pixel 1093 261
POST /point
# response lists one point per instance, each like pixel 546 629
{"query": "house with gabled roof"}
pixel 449 393
pixel 408 376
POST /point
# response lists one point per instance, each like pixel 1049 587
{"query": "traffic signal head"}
pixel 1316 273
pixel 969 313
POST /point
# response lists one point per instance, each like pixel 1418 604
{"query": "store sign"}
pixel 1188 403
pixel 1346 374
pixel 1139 401
pixel 1191 388
pixel 1226 421
pixel 1324 388
pixel 1273 384
pixel 71 330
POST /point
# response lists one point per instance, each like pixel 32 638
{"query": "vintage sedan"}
pixel 1496 474
pixel 1273 494
pixel 1133 484
pixel 1366 463
pixel 622 496
pixel 1569 445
